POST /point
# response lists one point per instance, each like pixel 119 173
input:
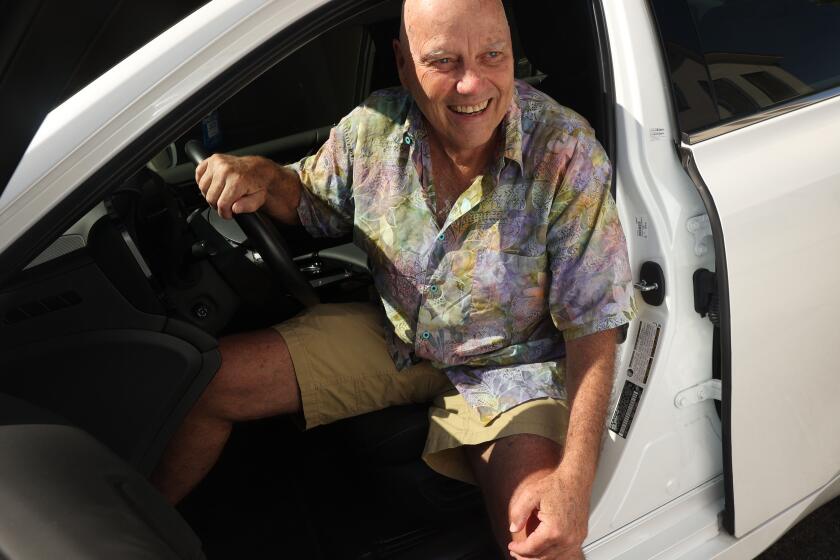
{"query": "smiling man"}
pixel 501 269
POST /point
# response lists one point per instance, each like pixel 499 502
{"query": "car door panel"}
pixel 71 343
pixel 776 189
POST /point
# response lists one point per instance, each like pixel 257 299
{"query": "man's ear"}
pixel 399 57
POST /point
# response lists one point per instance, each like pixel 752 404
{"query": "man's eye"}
pixel 494 54
pixel 444 60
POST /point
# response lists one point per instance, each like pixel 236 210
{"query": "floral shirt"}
pixel 531 253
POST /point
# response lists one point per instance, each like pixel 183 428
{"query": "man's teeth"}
pixel 468 109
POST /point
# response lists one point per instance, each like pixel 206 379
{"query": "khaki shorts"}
pixel 344 369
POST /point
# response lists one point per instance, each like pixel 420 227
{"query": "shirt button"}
pixel 426 335
pixel 408 139
pixel 440 237
pixel 433 289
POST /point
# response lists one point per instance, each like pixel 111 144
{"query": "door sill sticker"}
pixel 636 377
pixel 647 338
pixel 625 411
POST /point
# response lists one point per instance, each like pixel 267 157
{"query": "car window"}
pixel 733 58
pixel 313 87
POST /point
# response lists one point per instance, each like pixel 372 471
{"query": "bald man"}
pixel 501 269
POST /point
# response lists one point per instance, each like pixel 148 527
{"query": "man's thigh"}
pixel 343 366
pixel 456 429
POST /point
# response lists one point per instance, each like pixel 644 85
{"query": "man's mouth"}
pixel 470 109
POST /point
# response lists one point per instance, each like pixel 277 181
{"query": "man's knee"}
pixel 505 467
pixel 256 378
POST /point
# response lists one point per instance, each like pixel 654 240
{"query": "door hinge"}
pixel 710 389
pixel 701 228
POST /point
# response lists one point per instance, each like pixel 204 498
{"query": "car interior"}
pixel 114 328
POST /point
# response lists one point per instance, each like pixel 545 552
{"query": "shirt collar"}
pixel 512 129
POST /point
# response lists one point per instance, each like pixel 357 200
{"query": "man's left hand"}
pixel 549 519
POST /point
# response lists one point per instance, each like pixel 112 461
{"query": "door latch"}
pixel 651 283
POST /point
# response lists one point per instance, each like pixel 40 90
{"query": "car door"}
pixel 756 88
pixel 65 494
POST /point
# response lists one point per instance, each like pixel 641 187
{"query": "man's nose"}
pixel 470 82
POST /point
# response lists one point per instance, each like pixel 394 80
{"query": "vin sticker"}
pixel 625 411
pixel 641 227
pixel 647 337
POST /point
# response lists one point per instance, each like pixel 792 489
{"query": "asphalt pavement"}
pixel 817 537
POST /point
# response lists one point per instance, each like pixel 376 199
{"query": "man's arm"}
pixel 590 366
pixel 237 185
pixel 561 499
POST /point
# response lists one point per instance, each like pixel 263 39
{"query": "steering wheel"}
pixel 263 234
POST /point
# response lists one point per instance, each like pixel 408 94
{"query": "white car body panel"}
pixel 668 451
pixel 86 131
pixel 783 266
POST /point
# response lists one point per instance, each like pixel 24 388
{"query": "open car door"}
pixel 95 374
pixel 779 305
pixel 756 93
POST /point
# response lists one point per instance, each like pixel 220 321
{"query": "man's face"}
pixel 456 60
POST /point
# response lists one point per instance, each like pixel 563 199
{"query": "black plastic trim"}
pixel 606 76
pixel 722 276
pixel 211 361
pixel 175 124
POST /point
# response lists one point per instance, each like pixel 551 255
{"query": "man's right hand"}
pixel 238 185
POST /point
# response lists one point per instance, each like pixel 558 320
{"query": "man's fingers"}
pixel 229 196
pixel 537 543
pixel 214 191
pixel 520 510
pixel 248 203
pixel 230 184
pixel 199 171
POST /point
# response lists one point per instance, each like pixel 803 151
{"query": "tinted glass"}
pixel 763 52
pixel 733 58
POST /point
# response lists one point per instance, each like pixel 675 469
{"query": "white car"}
pixel 722 118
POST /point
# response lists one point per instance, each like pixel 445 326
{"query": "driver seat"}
pixel 388 444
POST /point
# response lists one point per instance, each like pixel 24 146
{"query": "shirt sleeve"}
pixel 326 203
pixel 591 281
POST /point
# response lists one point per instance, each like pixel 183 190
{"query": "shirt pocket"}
pixel 509 296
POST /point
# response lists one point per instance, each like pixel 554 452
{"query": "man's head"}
pixel 455 58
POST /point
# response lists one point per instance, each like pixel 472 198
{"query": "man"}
pixel 485 209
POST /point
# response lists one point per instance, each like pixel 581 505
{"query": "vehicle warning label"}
pixel 622 418
pixel 647 337
pixel 641 227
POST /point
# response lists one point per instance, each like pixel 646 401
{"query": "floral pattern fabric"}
pixel 532 252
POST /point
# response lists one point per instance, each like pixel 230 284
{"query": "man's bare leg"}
pixel 256 380
pixel 504 466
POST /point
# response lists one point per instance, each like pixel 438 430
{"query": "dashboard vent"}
pixel 40 307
